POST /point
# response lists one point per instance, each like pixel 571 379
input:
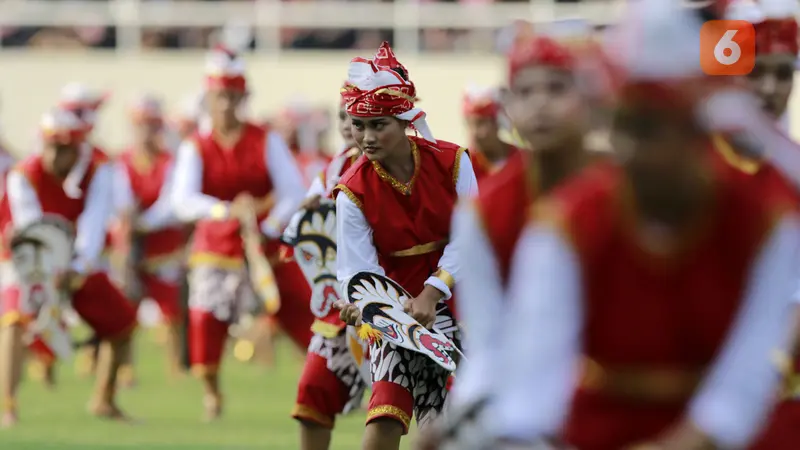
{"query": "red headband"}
pixel 777 36
pixel 235 82
pixel 387 100
pixel 63 136
pixel 483 106
pixel 539 50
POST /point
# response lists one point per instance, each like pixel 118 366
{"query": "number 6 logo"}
pixel 727 47
pixel 727 43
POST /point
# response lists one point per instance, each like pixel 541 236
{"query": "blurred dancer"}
pixel 72 180
pixel 483 115
pixel 330 383
pixel 772 80
pixel 85 103
pixel 149 239
pixel 548 107
pixel 303 128
pixel 715 257
pixel 185 122
pixel 220 173
pixel 393 212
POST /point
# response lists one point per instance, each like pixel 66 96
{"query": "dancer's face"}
pixel 482 130
pixel 346 129
pixel 223 103
pixel 379 137
pixel 60 158
pixel 772 79
pixel 545 106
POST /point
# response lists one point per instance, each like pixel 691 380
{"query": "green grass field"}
pixel 258 402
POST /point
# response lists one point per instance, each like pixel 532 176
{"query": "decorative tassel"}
pixel 367 333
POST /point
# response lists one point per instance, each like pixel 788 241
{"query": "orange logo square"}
pixel 727 47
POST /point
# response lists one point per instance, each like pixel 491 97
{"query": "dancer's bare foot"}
pixel 9 419
pixel 213 407
pixel 127 377
pixel 110 411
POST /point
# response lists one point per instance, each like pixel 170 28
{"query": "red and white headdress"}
pixel 376 88
pixel 656 57
pixel 481 101
pixel 61 126
pixel 147 108
pixel 775 23
pixel 225 70
pixel 82 101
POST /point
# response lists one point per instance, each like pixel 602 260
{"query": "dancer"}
pixel 71 180
pixel 393 211
pixel 331 383
pixel 222 174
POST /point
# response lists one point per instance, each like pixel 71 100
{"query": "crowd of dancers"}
pixel 540 288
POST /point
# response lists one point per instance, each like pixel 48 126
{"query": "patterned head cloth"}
pixel 82 101
pixel 656 58
pixel 225 70
pixel 61 126
pixel 147 108
pixel 380 87
pixel 481 101
pixel 775 23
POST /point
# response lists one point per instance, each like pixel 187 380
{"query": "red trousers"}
pixel 208 335
pixel 99 303
pixel 165 294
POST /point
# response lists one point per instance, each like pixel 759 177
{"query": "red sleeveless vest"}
pixel 649 315
pixel 146 179
pixel 410 222
pixel 227 173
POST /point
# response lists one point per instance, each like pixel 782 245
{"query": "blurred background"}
pixel 295 48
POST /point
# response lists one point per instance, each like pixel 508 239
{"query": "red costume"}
pixel 330 383
pixel 97 301
pixel 776 34
pixel 162 247
pixel 410 227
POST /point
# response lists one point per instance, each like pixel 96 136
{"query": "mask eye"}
pixel 306 255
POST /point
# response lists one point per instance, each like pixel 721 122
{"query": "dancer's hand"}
pixel 423 307
pixel 242 207
pixel 68 281
pixel 311 202
pixel 348 312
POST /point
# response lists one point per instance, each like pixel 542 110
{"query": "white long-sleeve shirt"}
pixel 191 204
pixel 537 378
pixel 480 295
pixel 159 215
pixel 91 225
pixel 356 252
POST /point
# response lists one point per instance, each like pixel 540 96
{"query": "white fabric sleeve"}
pixel 480 295
pixel 316 188
pixel 541 344
pixel 122 193
pixel 160 214
pixel 22 199
pixel 90 229
pixel 466 187
pixel 737 395
pixel 288 182
pixel 188 201
pixel 354 249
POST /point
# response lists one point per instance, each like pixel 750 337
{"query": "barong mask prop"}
pixel 381 87
pixel 313 236
pixel 380 300
pixel 312 233
pixel 40 252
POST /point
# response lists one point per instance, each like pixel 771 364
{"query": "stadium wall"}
pixel 30 82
